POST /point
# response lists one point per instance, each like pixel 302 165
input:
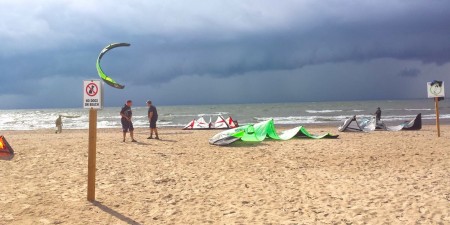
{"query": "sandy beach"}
pixel 360 178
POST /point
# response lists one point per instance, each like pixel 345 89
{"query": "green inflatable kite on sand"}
pixel 260 131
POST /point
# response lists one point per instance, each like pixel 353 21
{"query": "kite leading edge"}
pixel 102 74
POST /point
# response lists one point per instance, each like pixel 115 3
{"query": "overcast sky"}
pixel 210 52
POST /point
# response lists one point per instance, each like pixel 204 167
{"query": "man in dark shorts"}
pixel 127 125
pixel 152 118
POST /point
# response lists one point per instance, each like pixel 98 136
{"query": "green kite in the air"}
pixel 102 74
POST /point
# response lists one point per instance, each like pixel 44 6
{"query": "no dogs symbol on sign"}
pixel 93 98
pixel 91 89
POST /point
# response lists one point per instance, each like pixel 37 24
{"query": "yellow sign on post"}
pixel 92 100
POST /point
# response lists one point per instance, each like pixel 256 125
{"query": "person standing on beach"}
pixel 152 118
pixel 58 124
pixel 378 115
pixel 127 125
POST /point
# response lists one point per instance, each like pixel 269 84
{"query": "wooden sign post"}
pixel 436 90
pixel 93 100
pixel 436 105
pixel 92 155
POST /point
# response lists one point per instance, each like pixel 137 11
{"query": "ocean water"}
pixel 334 113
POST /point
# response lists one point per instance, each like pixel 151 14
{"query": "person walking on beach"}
pixel 127 125
pixel 152 118
pixel 58 124
pixel 378 115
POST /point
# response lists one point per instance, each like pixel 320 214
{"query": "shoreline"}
pixel 331 129
pixel 443 122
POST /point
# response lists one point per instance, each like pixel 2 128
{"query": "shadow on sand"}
pixel 164 140
pixel 114 213
pixel 142 143
pixel 240 144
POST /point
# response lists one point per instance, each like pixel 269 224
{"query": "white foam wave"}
pixel 419 109
pixel 324 111
pixel 303 119
pixel 179 115
pixel 433 116
pixel 213 114
pixel 410 117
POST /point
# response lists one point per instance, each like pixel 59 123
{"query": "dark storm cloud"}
pixel 408 33
pixel 409 72
pixel 212 39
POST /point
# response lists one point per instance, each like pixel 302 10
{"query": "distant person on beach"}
pixel 127 125
pixel 58 124
pixel 152 118
pixel 378 115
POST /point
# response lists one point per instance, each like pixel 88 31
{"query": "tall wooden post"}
pixel 436 105
pixel 92 154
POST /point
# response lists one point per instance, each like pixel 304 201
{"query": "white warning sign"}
pixel 435 89
pixel 93 95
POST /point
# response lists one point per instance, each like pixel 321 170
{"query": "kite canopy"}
pixel 198 124
pixel 351 124
pixel 221 123
pixel 370 124
pixel 102 74
pixel 415 124
pixel 6 152
pixel 260 131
